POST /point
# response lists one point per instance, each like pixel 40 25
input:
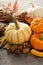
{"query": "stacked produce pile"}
pixel 25 32
pixel 5 19
pixel 18 34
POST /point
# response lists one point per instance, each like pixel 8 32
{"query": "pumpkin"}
pixel 37 53
pixel 17 33
pixel 36 11
pixel 37 25
pixel 36 41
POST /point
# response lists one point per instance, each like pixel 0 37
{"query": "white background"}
pixel 23 4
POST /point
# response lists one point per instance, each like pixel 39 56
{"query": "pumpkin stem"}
pixel 14 21
pixel 32 5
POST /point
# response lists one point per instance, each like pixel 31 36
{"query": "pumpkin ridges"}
pixel 15 35
pixel 23 35
pixel 40 27
pixel 8 38
pixel 12 26
pixel 27 31
pixel 37 25
pixel 20 36
pixel 35 28
pixel 18 39
pixel 40 19
pixel 41 45
pixel 26 34
pixel 36 42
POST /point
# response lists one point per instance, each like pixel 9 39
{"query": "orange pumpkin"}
pixel 37 25
pixel 36 41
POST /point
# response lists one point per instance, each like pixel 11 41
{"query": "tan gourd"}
pixel 17 33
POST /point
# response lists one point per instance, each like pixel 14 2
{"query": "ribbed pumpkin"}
pixel 37 25
pixel 17 33
pixel 36 41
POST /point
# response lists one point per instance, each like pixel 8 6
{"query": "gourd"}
pixel 37 53
pixel 36 41
pixel 37 25
pixel 16 32
pixel 36 11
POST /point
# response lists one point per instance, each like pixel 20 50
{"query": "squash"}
pixel 37 25
pixel 37 53
pixel 17 33
pixel 36 11
pixel 36 41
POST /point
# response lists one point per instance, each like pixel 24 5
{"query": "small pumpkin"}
pixel 37 25
pixel 36 11
pixel 17 33
pixel 36 41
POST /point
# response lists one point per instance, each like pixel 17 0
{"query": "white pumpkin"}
pixel 17 36
pixel 36 11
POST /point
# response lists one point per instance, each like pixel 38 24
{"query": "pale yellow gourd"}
pixel 17 33
pixel 36 53
pixel 36 11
